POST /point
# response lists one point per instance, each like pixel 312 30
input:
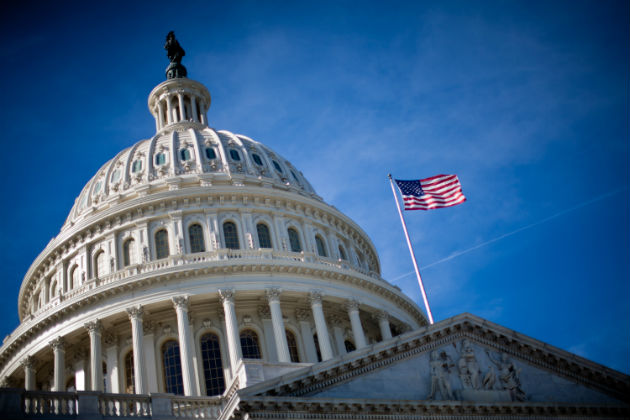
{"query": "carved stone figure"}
pixel 509 376
pixel 469 371
pixel 440 365
pixel 489 379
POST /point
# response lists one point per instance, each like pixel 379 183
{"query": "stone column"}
pixel 28 363
pixel 96 369
pixel 303 316
pixel 279 333
pixel 315 298
pixel 355 320
pixel 231 328
pixel 169 110
pixel 383 323
pixel 265 315
pixel 338 333
pixel 193 108
pixel 185 344
pixel 149 356
pixel 59 350
pixel 182 112
pixel 135 316
pixel 160 115
pixel 111 358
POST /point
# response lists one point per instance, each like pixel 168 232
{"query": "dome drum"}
pixel 179 100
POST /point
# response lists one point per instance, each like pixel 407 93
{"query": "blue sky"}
pixel 527 102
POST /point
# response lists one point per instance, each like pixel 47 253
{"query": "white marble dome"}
pixel 192 237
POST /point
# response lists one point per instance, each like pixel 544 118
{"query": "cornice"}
pixel 376 356
pixel 382 409
pixel 158 204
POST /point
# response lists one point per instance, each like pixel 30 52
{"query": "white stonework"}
pixel 195 270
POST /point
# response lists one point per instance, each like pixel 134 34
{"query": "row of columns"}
pixel 186 343
pixel 197 110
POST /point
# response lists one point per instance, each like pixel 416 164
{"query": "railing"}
pixel 18 403
pixel 201 257
pixel 124 405
pixel 47 404
pixel 195 408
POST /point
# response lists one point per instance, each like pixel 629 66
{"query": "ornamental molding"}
pixel 127 211
pixel 450 332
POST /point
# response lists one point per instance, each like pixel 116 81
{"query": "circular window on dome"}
pixel 115 176
pixel 136 166
pixel 97 187
pixel 235 155
pixel 277 166
pixel 210 153
pixel 257 159
pixel 160 159
pixel 185 154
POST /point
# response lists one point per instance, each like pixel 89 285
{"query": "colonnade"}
pixel 145 380
pixel 196 109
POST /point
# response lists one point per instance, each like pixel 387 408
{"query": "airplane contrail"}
pixel 514 232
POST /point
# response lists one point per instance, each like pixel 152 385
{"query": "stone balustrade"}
pixel 18 403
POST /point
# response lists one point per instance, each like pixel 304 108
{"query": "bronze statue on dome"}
pixel 175 53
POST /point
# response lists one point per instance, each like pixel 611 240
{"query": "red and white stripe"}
pixel 439 191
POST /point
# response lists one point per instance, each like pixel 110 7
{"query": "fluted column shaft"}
pixel 231 328
pixel 169 110
pixel 185 345
pixel 96 369
pixel 193 108
pixel 29 373
pixel 383 323
pixel 279 333
pixel 137 338
pixel 355 320
pixel 59 354
pixel 160 114
pixel 320 325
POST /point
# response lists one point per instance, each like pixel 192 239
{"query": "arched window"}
pixel 129 252
pixel 342 253
pixel 212 364
pixel 249 345
pixel 185 154
pixel 100 265
pixel 130 383
pixel 277 166
pixel 257 159
pixel 173 382
pixel 210 153
pixel 195 235
pixel 53 289
pixel 349 346
pixel 321 247
pixel 293 349
pixel 264 237
pixel 234 155
pixel 136 166
pixel 161 244
pixel 160 159
pixel 231 235
pixel 294 240
pixel 75 277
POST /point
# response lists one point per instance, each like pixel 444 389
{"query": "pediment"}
pixel 464 358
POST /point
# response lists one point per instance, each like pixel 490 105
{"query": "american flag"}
pixel 431 193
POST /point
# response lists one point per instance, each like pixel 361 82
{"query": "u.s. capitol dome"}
pixel 191 257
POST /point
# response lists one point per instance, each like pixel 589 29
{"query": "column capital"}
pixel 315 297
pixel 226 295
pixel 93 327
pixel 135 312
pixel 180 302
pixel 381 315
pixel 273 294
pixel 57 343
pixel 351 305
pixel 28 362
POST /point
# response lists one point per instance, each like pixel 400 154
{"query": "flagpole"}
pixel 413 255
